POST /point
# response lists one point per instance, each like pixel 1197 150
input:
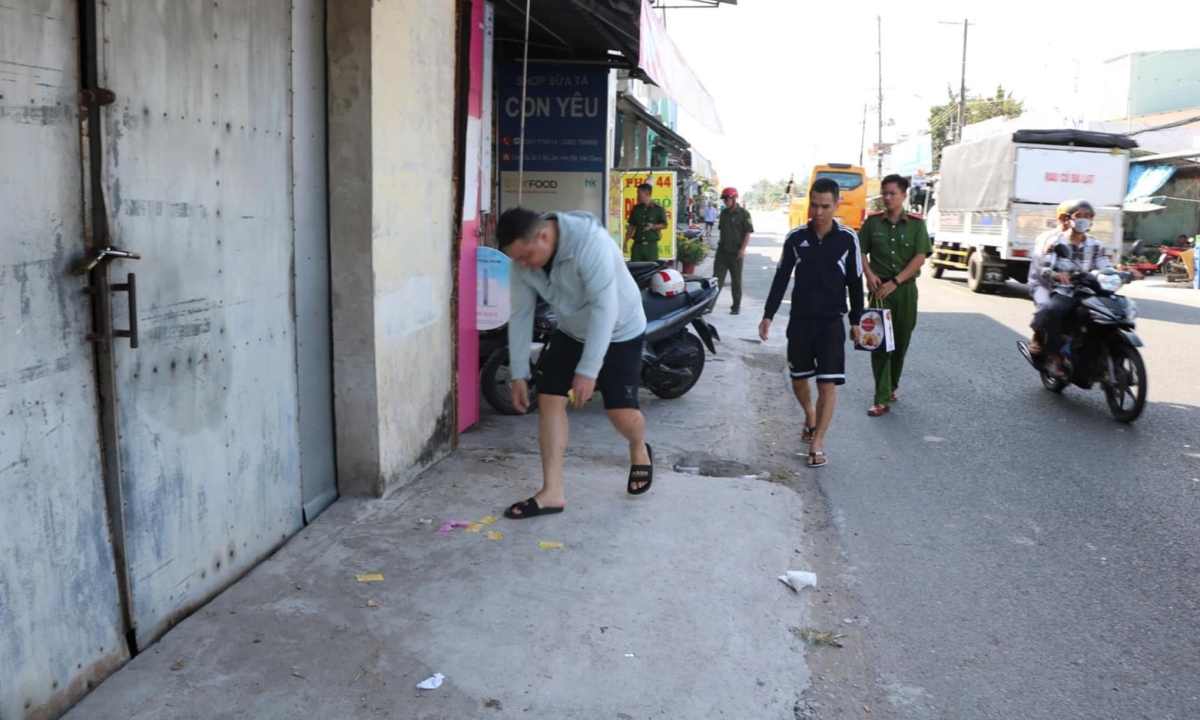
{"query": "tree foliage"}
pixel 766 194
pixel 943 119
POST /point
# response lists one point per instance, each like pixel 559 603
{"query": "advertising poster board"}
pixel 492 303
pixel 663 184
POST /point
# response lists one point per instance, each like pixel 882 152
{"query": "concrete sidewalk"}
pixel 664 605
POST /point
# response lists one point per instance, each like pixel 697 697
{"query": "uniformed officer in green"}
pixel 735 227
pixel 644 226
pixel 894 245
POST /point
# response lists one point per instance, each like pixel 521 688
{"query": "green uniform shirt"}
pixel 891 247
pixel 734 224
pixel 641 216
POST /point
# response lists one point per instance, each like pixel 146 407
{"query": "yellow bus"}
pixel 852 208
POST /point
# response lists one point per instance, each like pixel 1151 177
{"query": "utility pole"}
pixel 879 146
pixel 863 144
pixel 962 88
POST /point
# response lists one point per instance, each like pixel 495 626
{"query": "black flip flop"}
pixel 811 432
pixel 641 473
pixel 529 509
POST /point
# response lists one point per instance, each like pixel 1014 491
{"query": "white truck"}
pixel 996 195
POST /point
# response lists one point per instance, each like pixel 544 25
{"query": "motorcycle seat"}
pixel 657 306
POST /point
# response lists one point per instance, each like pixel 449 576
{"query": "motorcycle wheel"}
pixel 495 380
pixel 1130 383
pixel 697 368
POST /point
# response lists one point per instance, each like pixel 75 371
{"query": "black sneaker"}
pixel 735 311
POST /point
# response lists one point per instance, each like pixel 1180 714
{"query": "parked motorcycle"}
pixel 495 377
pixel 643 271
pixel 1103 347
pixel 672 357
pixel 1172 263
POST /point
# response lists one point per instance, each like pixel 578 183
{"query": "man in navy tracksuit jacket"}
pixel 824 256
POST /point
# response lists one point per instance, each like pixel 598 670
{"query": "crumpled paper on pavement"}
pixel 798 579
pixel 450 525
pixel 432 683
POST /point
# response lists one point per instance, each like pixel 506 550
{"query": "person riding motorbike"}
pixel 1039 290
pixel 1085 254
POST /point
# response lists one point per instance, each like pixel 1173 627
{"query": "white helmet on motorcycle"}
pixel 668 283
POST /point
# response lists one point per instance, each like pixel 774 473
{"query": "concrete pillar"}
pixel 643 145
pixel 391 185
pixel 629 141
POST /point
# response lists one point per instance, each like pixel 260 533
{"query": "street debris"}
pixel 493 703
pixel 370 577
pixel 432 683
pixel 299 587
pixel 424 521
pixel 493 535
pixel 296 672
pixel 488 519
pixel 372 604
pixel 495 458
pixel 550 545
pixel 177 666
pixel 451 524
pixel 474 527
pixel 688 469
pixel 799 579
pixel 818 637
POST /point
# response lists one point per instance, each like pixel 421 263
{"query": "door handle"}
pixel 102 255
pixel 129 287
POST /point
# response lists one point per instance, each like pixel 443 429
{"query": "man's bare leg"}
pixel 826 401
pixel 632 426
pixel 803 392
pixel 553 432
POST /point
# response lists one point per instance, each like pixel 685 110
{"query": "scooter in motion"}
pixel 672 357
pixel 1103 347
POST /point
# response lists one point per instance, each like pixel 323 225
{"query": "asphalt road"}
pixel 1013 553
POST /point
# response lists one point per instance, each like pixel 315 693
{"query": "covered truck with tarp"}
pixel 996 195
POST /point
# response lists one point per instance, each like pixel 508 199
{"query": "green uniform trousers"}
pixel 888 366
pixel 729 262
pixel 643 253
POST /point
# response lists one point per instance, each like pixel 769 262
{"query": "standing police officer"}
pixel 644 226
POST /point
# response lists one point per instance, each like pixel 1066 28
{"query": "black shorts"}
pixel 620 375
pixel 817 348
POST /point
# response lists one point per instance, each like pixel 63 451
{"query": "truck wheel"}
pixel 936 270
pixel 975 272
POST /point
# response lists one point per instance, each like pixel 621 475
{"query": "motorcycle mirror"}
pixel 1137 248
pixel 1061 251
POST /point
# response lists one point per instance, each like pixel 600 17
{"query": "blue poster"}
pixel 566 118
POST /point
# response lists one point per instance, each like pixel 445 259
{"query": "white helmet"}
pixel 667 282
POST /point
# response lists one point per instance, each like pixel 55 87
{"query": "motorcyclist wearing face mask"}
pixel 1039 290
pixel 1085 255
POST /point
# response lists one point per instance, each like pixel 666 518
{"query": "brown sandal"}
pixel 877 410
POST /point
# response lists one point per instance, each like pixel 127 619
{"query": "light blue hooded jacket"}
pixel 595 299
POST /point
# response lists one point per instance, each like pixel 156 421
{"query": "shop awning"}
pixel 1145 180
pixel 583 31
pixel 664 64
pixel 669 137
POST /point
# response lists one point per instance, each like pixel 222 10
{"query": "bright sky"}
pixel 790 77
